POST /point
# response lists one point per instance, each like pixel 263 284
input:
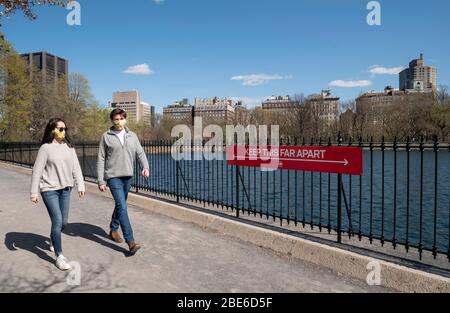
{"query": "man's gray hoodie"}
pixel 115 160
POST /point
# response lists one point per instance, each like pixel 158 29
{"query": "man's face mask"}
pixel 120 123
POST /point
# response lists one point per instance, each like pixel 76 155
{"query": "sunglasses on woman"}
pixel 62 129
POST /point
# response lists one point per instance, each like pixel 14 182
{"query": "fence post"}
pixel 436 169
pixel 177 164
pixel 339 200
pixel 84 158
pixel 20 154
pixel 137 176
pixel 29 155
pixel 448 252
pixel 237 179
pixel 238 173
pixel 177 173
pixel 339 209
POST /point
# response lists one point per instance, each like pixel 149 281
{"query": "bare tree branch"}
pixel 9 7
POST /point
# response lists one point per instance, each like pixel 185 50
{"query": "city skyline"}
pixel 238 50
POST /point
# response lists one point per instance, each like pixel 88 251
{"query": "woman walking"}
pixel 54 172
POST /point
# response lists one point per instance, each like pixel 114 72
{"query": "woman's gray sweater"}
pixel 56 168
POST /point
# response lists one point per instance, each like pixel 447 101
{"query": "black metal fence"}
pixel 403 198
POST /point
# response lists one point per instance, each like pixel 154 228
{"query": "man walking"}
pixel 118 149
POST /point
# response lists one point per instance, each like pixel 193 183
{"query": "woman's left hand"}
pixel 81 194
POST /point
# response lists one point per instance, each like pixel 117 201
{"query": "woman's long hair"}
pixel 49 135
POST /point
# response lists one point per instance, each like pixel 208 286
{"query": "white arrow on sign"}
pixel 345 162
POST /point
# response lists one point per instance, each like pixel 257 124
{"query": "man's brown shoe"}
pixel 134 247
pixel 115 237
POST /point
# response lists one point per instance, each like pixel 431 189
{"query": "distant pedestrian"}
pixel 118 150
pixel 55 173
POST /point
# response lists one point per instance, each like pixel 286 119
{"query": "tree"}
pixel 28 100
pixel 9 7
pixel 16 95
pixel 74 103
pixel 347 124
pixel 80 104
pixel 395 120
pixel 3 52
pixel 442 94
pixel 316 124
pixel 82 111
pixel 80 90
pixel 440 117
pixel 241 114
pixel 92 123
pixel 49 101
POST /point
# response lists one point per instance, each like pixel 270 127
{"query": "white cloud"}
pixel 350 83
pixel 159 1
pixel 258 79
pixel 140 69
pixel 381 70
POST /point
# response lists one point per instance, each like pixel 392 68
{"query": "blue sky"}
pixel 238 48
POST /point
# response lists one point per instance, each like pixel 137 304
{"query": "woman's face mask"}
pixel 60 135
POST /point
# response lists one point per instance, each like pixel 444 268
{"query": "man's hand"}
pixel 35 200
pixel 102 188
pixel 81 194
pixel 146 173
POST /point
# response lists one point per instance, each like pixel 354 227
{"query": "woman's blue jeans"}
pixel 57 203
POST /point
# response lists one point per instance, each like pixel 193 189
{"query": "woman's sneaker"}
pixel 50 246
pixel 62 263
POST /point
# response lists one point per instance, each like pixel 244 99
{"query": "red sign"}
pixel 340 160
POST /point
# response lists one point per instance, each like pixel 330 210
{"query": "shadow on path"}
pixel 40 245
pixel 33 243
pixel 93 233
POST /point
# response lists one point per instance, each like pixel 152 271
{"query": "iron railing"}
pixel 402 199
